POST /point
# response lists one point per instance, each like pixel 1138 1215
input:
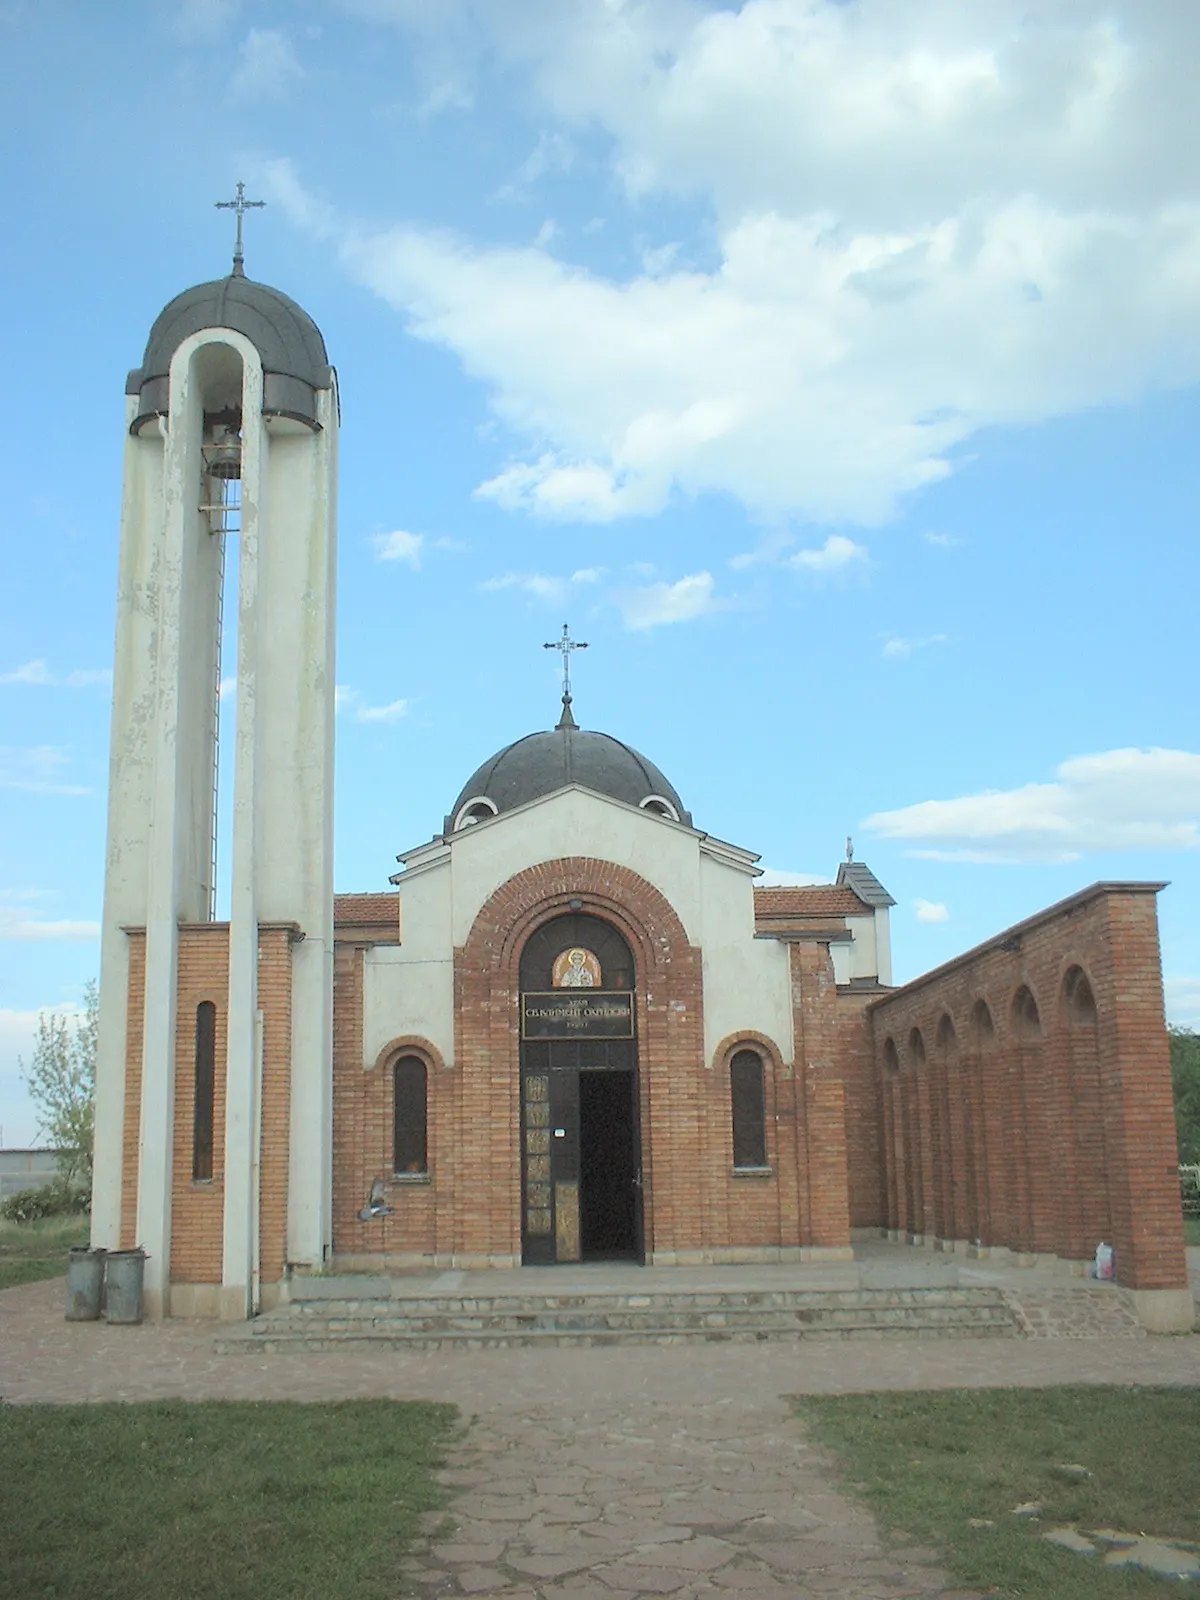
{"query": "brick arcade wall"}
pixel 1024 1092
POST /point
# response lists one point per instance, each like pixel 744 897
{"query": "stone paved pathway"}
pixel 602 1472
pixel 715 1499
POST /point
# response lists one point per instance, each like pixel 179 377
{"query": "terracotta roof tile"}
pixel 808 900
pixel 367 910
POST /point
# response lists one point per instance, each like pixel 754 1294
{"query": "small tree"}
pixel 61 1079
pixel 1185 1079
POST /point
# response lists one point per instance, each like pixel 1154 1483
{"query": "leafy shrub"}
pixel 55 1199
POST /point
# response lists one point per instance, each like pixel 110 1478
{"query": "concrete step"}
pixel 431 1322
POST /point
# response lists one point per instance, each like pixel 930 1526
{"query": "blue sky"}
pixel 831 367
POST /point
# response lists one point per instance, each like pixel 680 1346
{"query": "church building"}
pixel 573 1027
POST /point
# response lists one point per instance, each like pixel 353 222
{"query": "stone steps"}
pixel 425 1322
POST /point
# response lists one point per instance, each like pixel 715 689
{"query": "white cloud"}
pixel 38 673
pixel 228 687
pixel 389 713
pixel 1117 800
pixel 658 603
pixel 26 928
pixel 930 911
pixel 1182 997
pixel 32 672
pixel 539 584
pixel 542 585
pixel 399 546
pixel 343 695
pixel 944 541
pixel 896 648
pixel 835 555
pixel 773 878
pixel 267 67
pixel 36 770
pixel 928 220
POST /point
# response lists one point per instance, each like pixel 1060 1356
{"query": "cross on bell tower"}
pixel 565 646
pixel 240 206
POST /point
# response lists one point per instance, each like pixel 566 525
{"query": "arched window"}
pixel 1026 1022
pixel 749 1110
pixel 410 1149
pixel 1079 999
pixel 205 1091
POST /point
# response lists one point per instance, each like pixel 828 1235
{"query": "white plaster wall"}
pixel 410 990
pixel 747 983
pixel 407 996
pixel 575 823
pixel 883 944
pixel 130 787
pixel 864 961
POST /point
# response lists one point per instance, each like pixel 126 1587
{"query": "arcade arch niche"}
pixel 581 1184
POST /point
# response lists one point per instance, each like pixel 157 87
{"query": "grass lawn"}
pixel 30 1251
pixel 1191 1230
pixel 216 1501
pixel 927 1464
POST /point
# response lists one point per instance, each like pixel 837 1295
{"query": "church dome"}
pixel 541 763
pixel 288 340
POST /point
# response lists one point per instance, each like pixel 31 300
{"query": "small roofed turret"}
pixel 289 342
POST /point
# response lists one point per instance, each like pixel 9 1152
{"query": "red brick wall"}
pixel 1053 1128
pixel 197 1215
pixel 822 1188
pixel 677 1094
pixel 197 1208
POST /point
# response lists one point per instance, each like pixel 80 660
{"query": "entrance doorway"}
pixel 608 1171
pixel 581 1184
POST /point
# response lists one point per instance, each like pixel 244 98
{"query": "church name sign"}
pixel 577 1014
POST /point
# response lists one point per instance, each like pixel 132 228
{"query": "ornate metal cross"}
pixel 240 206
pixel 566 644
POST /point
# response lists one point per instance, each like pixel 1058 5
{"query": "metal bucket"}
pixel 123 1285
pixel 85 1284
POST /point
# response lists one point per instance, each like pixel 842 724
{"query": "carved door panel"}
pixel 549 1159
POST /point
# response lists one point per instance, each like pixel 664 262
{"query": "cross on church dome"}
pixel 239 206
pixel 566 645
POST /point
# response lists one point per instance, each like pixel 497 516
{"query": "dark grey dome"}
pixel 286 337
pixel 543 762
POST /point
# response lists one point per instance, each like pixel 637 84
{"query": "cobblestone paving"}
pixel 1074 1313
pixel 603 1472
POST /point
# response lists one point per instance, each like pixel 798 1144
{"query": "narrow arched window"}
pixel 205 1090
pixel 410 1150
pixel 749 1109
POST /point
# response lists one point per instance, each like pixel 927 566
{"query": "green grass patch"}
pixel 30 1251
pixel 215 1501
pixel 1191 1230
pixel 927 1464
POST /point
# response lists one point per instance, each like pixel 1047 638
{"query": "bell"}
pixel 222 451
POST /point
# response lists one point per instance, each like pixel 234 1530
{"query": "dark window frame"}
pixel 748 1110
pixel 204 1093
pixel 410 1116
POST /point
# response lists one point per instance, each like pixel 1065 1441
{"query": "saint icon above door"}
pixel 576 969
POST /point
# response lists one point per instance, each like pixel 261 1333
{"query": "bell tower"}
pixel 230 457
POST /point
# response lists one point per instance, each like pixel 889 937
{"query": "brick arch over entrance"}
pixel 670 1026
